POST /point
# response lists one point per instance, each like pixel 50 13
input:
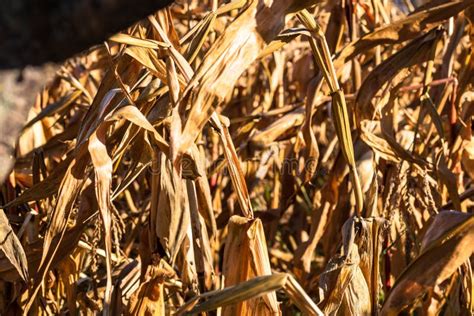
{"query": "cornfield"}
pixel 251 158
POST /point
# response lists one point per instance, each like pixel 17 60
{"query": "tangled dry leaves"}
pixel 252 157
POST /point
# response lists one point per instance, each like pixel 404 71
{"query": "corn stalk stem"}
pixel 323 59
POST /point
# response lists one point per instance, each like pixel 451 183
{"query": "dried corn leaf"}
pixel 350 282
pixel 169 217
pixel 252 289
pixel 414 53
pixel 233 163
pixel 12 248
pixel 405 29
pixel 149 298
pixel 448 178
pixel 246 257
pixel 103 184
pixel 45 188
pixel 54 108
pixel 448 243
pixel 264 138
pixel 135 41
pixel 228 58
pixel 138 102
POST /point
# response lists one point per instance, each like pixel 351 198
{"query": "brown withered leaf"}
pixel 416 52
pixel 103 185
pixel 233 52
pixel 201 244
pixel 350 283
pixel 264 138
pixel 68 192
pixel 45 188
pixel 233 163
pixel 250 289
pixel 196 37
pixel 385 145
pixel 12 248
pixel 253 288
pixel 448 178
pixel 54 108
pixel 170 211
pixel 405 29
pixel 312 149
pixel 447 244
pixel 149 298
pixel 148 58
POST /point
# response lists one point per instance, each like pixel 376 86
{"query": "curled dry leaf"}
pixel 103 184
pixel 350 283
pixel 149 298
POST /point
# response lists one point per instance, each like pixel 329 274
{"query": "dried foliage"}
pixel 257 157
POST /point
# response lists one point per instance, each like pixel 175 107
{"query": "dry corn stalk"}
pixel 246 257
pixel 351 281
pixel 320 49
pixel 120 137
